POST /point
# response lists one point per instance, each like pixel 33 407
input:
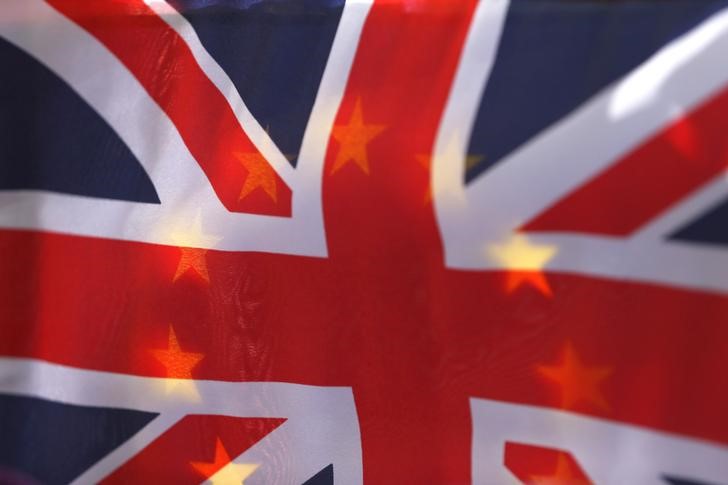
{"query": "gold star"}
pixel 424 160
pixel 192 259
pixel 472 160
pixel 525 262
pixel 290 156
pixel 579 383
pixel 221 471
pixel 179 364
pixel 192 244
pixel 353 139
pixel 260 174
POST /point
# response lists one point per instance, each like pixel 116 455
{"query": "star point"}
pixel 472 160
pixel 524 261
pixel 353 139
pixel 423 159
pixel 178 363
pixel 579 383
pixel 260 175
pixel 222 471
pixel 192 243
pixel 192 259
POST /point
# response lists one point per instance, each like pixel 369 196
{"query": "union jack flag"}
pixel 381 241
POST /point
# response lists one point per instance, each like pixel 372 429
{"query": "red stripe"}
pixel 163 63
pixel 534 465
pixel 414 341
pixel 170 457
pixel 651 179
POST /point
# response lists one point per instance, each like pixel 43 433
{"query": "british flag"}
pixel 364 241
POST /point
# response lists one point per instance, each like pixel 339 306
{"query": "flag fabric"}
pixel 364 241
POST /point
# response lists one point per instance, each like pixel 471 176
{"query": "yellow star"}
pixel 179 365
pixel 525 262
pixel 290 156
pixel 424 161
pixel 260 174
pixel 192 244
pixel 353 139
pixel 472 160
pixel 233 473
pixel 579 383
pixel 221 471
pixel 450 154
pixel 192 259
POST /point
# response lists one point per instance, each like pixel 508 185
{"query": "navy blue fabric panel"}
pixel 711 228
pixel 50 139
pixel 275 53
pixel 556 54
pixel 54 443
pixel 324 477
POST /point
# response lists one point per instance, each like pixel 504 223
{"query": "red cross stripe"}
pixel 148 46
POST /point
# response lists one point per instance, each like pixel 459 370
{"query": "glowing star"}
pixel 221 471
pixel 579 383
pixel 470 160
pixel 524 262
pixel 450 189
pixel 260 174
pixel 424 161
pixel 192 243
pixel 566 473
pixel 179 365
pixel 473 160
pixel 353 139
